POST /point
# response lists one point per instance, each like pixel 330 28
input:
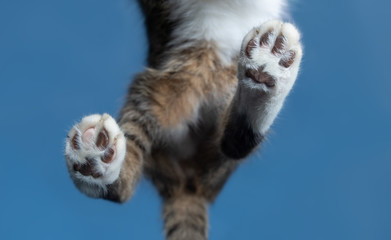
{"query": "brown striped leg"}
pixel 185 217
pixel 138 144
pixel 121 190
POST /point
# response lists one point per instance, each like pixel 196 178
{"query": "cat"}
pixel 218 74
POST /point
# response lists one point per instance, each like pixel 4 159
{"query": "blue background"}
pixel 323 174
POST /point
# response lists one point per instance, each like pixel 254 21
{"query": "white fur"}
pixel 224 22
pixel 110 171
pixel 264 103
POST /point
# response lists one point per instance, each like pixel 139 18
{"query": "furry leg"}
pixel 268 66
pixel 185 217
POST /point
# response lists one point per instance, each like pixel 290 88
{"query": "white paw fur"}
pixel 93 167
pixel 262 101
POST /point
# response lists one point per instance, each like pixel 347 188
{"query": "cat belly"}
pixel 223 22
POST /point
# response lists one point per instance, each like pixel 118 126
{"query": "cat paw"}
pixel 268 66
pixel 270 57
pixel 94 152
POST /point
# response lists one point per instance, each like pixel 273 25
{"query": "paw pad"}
pixel 261 77
pixel 288 60
pixel 250 46
pixel 102 140
pixel 264 40
pixel 108 155
pixel 75 142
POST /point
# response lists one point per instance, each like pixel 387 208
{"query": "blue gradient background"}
pixel 324 173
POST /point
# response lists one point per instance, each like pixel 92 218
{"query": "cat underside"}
pixel 218 74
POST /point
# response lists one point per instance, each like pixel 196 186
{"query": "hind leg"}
pixel 268 66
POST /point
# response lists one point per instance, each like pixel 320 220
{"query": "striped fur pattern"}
pixel 185 217
pixel 195 112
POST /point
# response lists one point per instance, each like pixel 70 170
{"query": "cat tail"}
pixel 185 217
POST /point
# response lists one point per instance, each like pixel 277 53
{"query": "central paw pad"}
pixel 258 75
